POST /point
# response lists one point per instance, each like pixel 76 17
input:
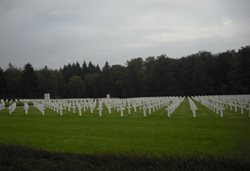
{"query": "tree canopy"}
pixel 202 73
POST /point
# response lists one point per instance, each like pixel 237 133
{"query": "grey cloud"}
pixel 56 32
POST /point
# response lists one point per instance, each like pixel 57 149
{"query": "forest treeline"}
pixel 202 73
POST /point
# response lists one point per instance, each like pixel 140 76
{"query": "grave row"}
pixel 176 101
pixel 2 104
pixel 220 103
pixel 147 105
pixel 192 106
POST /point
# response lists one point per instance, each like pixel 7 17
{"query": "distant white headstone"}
pixel 108 96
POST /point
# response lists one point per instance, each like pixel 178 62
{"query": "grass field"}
pixel 14 157
pixel 155 135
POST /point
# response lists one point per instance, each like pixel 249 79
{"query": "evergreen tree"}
pixel 135 77
pixel 84 70
pixel 107 79
pixel 3 85
pixel 12 77
pixel 29 82
pixel 46 82
pixel 244 65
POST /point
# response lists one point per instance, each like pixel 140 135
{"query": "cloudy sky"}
pixel 56 32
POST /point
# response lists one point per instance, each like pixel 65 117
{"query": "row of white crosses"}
pixel 40 106
pixel 2 104
pixel 237 101
pixel 118 104
pixel 12 108
pixel 146 104
pixel 193 107
pixel 58 105
pixel 176 101
pixel 219 103
pixel 53 105
pixel 212 103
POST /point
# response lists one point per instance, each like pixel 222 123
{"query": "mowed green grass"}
pixel 156 134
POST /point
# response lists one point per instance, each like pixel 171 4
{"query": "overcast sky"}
pixel 56 32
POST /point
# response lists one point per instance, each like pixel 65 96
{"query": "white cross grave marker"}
pixel 26 108
pixel 100 108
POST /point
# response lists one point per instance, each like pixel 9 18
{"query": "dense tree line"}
pixel 202 73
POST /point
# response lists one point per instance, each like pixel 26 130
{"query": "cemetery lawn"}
pixel 155 135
